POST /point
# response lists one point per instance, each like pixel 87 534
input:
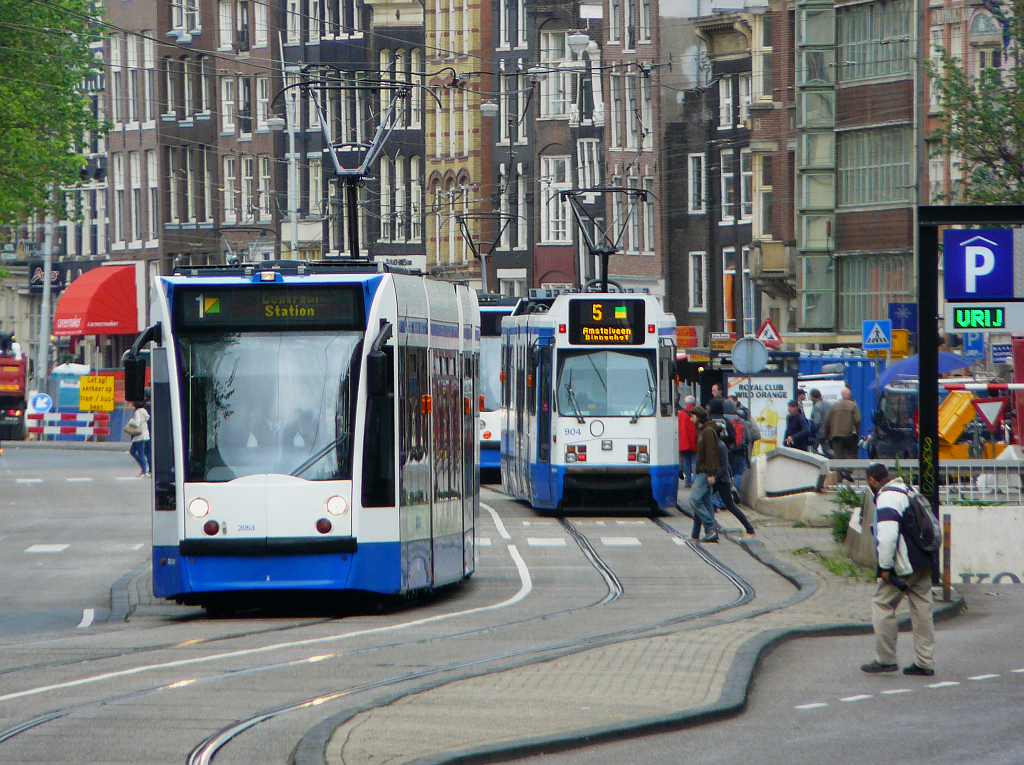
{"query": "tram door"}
pixel 447 448
pixel 541 402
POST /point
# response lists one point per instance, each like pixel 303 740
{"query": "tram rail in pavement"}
pixel 673 680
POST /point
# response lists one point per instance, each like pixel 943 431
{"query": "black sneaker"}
pixel 913 669
pixel 876 666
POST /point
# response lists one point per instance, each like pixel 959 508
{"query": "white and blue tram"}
pixel 313 429
pixel 493 308
pixel 590 402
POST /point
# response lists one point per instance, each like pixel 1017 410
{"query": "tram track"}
pixel 208 749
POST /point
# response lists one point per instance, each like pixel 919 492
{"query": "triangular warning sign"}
pixel 990 410
pixel 769 335
pixel 877 337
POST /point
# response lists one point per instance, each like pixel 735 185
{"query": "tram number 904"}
pixel 573 432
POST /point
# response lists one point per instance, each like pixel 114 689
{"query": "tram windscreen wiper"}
pixel 571 397
pixel 648 396
pixel 320 455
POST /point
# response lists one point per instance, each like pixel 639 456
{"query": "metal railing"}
pixel 961 482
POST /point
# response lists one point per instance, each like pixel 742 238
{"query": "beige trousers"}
pixel 883 617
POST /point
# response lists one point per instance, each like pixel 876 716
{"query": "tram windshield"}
pixel 606 384
pixel 269 402
pixel 490 372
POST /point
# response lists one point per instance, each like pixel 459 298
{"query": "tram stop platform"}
pixel 680 677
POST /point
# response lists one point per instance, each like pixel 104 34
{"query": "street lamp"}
pixel 276 123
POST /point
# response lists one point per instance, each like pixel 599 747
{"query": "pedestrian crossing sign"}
pixel 877 334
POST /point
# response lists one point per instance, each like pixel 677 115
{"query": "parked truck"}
pixel 13 390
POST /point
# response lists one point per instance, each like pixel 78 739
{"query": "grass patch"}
pixel 799 525
pixel 846 499
pixel 839 565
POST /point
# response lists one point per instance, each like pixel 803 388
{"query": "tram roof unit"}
pixel 297 268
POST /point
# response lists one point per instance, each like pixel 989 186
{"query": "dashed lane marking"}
pixel 894 691
pixel 78 480
pixel 483 542
pixel 545 541
pixel 1018 670
pixel 88 614
pixel 818 705
pixel 631 523
pixel 46 548
pixel 982 677
pixel 28 480
pixel 943 684
pixel 537 523
pixel 860 697
pixel 620 541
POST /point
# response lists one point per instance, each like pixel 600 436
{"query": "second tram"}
pixel 590 402
pixel 493 308
pixel 313 429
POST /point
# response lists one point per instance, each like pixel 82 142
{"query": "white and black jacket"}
pixel 890 545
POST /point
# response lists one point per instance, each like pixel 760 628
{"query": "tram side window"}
pixel 379 443
pixel 412 443
pixel 533 357
pixel 666 362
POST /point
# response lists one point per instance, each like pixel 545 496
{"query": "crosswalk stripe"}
pixel 46 548
pixel 77 480
pixel 620 541
pixel 818 705
pixel 28 480
pixel 545 541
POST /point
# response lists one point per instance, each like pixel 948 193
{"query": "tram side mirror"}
pixel 135 378
pixel 377 374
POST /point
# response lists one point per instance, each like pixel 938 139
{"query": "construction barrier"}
pixel 83 424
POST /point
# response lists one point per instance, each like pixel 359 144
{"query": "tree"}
pixel 983 117
pixel 46 112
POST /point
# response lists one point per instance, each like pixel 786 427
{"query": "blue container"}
pixel 859 375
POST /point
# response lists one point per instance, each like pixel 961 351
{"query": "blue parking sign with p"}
pixel 978 264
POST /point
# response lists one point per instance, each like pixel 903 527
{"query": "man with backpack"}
pixel 904 568
pixel 740 442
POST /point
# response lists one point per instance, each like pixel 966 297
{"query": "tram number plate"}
pixel 573 432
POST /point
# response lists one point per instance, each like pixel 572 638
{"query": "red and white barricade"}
pixel 70 423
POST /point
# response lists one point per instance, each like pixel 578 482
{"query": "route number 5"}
pixel 598 315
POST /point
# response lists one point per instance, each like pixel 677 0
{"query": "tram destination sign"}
pixel 270 307
pixel 984 317
pixel 607 321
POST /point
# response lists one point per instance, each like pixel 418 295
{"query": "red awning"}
pixel 102 301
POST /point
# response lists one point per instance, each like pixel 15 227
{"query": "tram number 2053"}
pixel 573 432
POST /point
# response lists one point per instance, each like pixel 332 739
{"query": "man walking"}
pixel 903 569
pixel 819 408
pixel 842 427
pixel 798 432
pixel 687 441
pixel 707 468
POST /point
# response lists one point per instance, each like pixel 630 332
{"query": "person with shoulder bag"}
pixel 138 428
pixel 904 569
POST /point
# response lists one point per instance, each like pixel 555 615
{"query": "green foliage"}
pixel 840 521
pixel 4 273
pixel 983 118
pixel 46 113
pixel 846 499
pixel 799 525
pixel 847 496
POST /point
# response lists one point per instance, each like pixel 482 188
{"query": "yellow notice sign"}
pixel 900 346
pixel 96 394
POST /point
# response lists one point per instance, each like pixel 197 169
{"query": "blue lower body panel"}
pixel 665 484
pixel 375 567
pixel 490 456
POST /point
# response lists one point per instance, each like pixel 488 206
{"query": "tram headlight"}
pixel 336 506
pixel 199 508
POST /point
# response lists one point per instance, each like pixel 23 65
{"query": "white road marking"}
pixel 679 541
pixel 28 480
pixel 483 542
pixel 524 590
pixel 545 541
pixel 536 523
pixel 88 614
pixel 943 684
pixel 620 541
pixel 861 697
pixel 127 477
pixel 46 548
pixel 894 691
pixel 1018 670
pixel 497 521
pixel 631 523
pixel 77 480
pixel 982 677
pixel 818 705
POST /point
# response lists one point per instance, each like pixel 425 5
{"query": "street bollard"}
pixel 946 523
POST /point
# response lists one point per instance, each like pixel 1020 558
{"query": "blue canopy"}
pixel 908 367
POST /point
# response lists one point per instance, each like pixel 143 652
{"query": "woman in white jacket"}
pixel 140 442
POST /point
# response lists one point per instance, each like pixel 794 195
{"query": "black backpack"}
pixel 918 523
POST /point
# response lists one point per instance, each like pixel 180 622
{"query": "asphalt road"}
pixel 71 523
pixel 811 704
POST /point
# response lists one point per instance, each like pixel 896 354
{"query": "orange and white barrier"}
pixel 70 423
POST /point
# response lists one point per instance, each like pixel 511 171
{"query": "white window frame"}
pixel 556 86
pixel 153 183
pixel 700 306
pixel 725 102
pixel 227 105
pixel 261 27
pixel 726 175
pixel 248 187
pixel 588 162
pixel 696 177
pixel 208 154
pixel 316 188
pixel 743 113
pixel 746 185
pixel 555 209
pixel 149 81
pixel 262 101
pixel 118 212
pixel 191 212
pixel 416 199
pixel 229 194
pixel 226 25
pixel 173 189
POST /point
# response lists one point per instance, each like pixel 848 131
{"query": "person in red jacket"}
pixel 687 441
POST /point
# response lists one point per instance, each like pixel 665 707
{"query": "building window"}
pixel 647 207
pixel 205 76
pixel 260 27
pixel 248 188
pixel 874 40
pixel 817 67
pixel 818 150
pixel 816 291
pixel 728 186
pixel 149 81
pixel 588 162
pixel 614 20
pixel 695 183
pixel 763 199
pixel 116 79
pixel 227 104
pixel 245 106
pixel 556 87
pixel 208 161
pixel 187 101
pixel 698 290
pixel 725 102
pixel 874 166
pixel 869 283
pixel 230 204
pixel 815 26
pixel 743 81
pixel 728 289
pixel 173 189
pixel 630 118
pixel 266 195
pixel 190 184
pixel 118 217
pixel 262 102
pixel 746 184
pixel 316 193
pixel 226 22
pixel 416 199
pixel 153 180
pixel 817 191
pixel 647 113
pixel 385 199
pixel 293 22
pixel 816 109
pixel 645 20
pixel 133 77
pixel 417 93
pixel 615 85
pixel 761 58
pixel 555 211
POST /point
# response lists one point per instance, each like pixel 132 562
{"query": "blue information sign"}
pixel 903 316
pixel 978 264
pixel 1001 353
pixel 974 345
